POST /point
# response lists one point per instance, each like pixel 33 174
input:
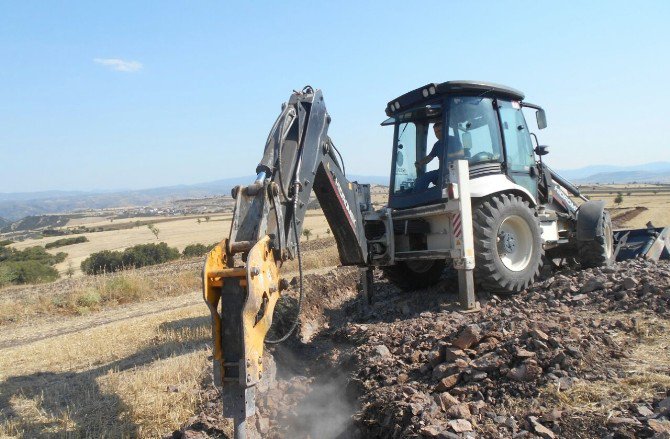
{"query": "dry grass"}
pixel 178 233
pixel 647 376
pixel 94 293
pixel 133 378
pixel 91 294
pixel 315 254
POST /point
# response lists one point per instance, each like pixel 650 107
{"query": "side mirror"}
pixel 541 150
pixel 541 117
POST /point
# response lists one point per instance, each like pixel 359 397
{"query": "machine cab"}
pixel 433 125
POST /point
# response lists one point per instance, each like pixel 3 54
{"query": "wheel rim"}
pixel 419 266
pixel 515 243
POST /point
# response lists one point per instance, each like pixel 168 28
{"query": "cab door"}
pixel 519 156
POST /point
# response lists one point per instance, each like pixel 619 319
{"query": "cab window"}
pixel 473 131
pixel 405 156
pixel 518 145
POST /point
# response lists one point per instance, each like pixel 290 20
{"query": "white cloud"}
pixel 120 65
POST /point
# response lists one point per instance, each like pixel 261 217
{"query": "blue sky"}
pixel 126 94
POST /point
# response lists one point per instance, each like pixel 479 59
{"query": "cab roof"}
pixel 433 90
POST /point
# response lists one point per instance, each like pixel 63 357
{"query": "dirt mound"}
pixel 322 294
pixel 580 354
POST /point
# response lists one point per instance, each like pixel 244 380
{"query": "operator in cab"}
pixel 423 181
pixel 455 151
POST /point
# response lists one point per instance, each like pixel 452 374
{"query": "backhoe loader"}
pixel 487 206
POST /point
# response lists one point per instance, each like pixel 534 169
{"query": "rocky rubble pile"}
pixel 626 286
pixel 447 374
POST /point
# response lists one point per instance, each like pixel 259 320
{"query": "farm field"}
pixel 652 202
pixel 175 232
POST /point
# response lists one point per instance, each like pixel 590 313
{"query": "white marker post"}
pixel 464 262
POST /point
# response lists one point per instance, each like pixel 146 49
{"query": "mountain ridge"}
pixel 17 205
pixel 14 206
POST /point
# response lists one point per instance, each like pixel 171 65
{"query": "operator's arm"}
pixel 427 159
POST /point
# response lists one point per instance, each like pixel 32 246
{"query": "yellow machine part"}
pixel 216 264
pixel 259 282
pixel 263 292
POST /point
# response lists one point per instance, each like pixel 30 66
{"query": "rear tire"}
pixel 600 251
pixel 414 275
pixel 508 244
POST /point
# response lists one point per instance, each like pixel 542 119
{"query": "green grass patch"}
pixel 137 256
pixel 28 266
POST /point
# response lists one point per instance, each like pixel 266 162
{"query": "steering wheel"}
pixel 481 157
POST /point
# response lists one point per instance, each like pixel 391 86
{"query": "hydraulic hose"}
pixel 294 325
pixel 282 137
pixel 344 171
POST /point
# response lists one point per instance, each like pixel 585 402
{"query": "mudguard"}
pixel 492 184
pixel 589 220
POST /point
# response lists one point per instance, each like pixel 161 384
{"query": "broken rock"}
pixel 525 372
pixel 593 284
pixel 453 354
pixel 644 411
pixel 382 351
pixel 263 425
pixel 659 426
pixel 539 335
pixel 618 420
pixel 469 336
pixel 446 400
pixel 541 429
pixel 459 411
pixel 447 383
pixel 488 361
pixel 460 425
pixel 664 406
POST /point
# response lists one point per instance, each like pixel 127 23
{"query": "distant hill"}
pixel 35 222
pixel 655 172
pixel 14 206
pixel 621 177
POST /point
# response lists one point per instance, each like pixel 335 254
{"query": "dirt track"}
pixel 621 219
pixel 40 329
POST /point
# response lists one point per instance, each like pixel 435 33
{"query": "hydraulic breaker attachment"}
pixel 241 301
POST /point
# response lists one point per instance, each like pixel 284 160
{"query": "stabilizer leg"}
pixel 466 289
